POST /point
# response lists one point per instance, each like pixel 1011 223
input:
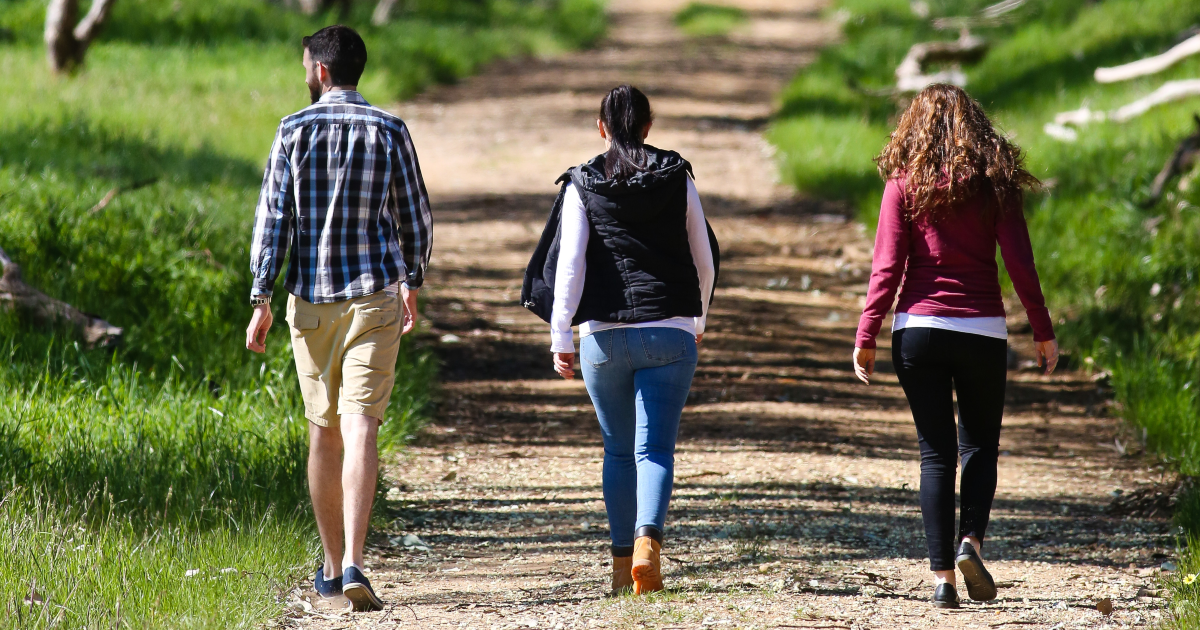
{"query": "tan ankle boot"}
pixel 647 576
pixel 622 575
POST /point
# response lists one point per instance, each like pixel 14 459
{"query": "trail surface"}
pixel 795 504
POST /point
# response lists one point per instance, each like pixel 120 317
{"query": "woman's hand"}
pixel 564 364
pixel 864 364
pixel 1047 355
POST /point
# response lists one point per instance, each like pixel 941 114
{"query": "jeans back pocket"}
pixel 596 348
pixel 663 344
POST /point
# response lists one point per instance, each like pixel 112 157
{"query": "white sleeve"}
pixel 572 267
pixel 701 251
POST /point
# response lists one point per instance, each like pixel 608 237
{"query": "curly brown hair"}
pixel 947 151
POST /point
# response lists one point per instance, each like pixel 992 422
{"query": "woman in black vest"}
pixel 631 265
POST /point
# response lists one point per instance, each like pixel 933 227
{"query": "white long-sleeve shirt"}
pixel 572 268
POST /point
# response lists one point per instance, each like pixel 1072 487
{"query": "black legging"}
pixel 930 362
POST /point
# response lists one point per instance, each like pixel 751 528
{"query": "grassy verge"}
pixel 162 484
pixel 1123 277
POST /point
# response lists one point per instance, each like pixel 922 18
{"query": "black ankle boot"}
pixel 944 596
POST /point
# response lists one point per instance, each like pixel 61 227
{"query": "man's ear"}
pixel 322 72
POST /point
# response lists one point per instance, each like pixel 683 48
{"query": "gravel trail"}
pixel 795 502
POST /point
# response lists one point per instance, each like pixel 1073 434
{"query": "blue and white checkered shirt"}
pixel 343 189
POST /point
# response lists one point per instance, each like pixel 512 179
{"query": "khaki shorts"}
pixel 346 355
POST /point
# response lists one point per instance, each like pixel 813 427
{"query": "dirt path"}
pixel 795 505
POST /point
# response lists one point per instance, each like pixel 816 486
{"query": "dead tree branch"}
pixel 1170 91
pixel 910 74
pixel 66 41
pixel 1150 65
pixel 14 293
pixel 1183 160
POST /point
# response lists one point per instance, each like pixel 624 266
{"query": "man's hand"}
pixel 564 364
pixel 260 324
pixel 1047 355
pixel 864 364
pixel 410 308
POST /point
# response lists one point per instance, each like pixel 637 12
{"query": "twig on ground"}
pixel 14 292
pixel 116 190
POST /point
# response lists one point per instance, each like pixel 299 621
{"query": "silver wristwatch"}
pixel 259 300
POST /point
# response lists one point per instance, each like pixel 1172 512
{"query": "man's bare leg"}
pixel 360 470
pixel 325 487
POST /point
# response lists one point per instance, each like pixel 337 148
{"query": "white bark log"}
pixel 1150 65
pixel 1170 91
pixel 910 74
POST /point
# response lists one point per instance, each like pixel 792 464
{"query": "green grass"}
pixel 121 470
pixel 700 19
pixel 1123 280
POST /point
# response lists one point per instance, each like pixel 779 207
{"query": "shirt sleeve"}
pixel 274 217
pixel 409 204
pixel 887 265
pixel 1013 235
pixel 572 267
pixel 701 251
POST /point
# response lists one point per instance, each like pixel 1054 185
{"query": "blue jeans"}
pixel 639 379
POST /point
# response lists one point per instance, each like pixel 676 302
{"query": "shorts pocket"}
pixel 304 321
pixel 663 344
pixel 596 349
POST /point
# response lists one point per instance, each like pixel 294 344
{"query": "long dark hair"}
pixel 625 112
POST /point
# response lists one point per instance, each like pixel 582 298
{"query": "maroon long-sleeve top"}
pixel 948 267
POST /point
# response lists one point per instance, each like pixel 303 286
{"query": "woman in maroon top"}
pixel 954 191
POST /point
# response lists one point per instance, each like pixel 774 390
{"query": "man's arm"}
pixel 409 204
pixel 273 219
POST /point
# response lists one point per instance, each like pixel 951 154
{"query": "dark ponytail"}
pixel 625 113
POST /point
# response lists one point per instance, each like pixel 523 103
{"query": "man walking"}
pixel 344 191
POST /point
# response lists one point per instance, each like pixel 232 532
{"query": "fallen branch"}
pixel 910 74
pixel 1170 91
pixel 1150 65
pixel 997 14
pixel 1183 160
pixel 14 293
pixel 116 190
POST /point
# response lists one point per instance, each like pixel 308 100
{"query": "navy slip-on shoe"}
pixel 944 596
pixel 357 589
pixel 326 588
pixel 980 585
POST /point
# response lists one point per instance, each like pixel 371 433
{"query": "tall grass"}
pixel 1122 277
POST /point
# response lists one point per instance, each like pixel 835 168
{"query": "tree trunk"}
pixel 14 293
pixel 383 11
pixel 66 41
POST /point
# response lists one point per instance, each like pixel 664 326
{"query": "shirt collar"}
pixel 343 96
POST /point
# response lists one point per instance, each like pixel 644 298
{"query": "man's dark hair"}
pixel 341 50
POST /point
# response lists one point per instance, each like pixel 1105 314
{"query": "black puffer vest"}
pixel 639 259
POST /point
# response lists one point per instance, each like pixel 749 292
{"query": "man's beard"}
pixel 315 92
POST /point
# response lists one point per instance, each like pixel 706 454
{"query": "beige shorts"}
pixel 346 355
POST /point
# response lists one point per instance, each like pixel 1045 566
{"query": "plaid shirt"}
pixel 343 189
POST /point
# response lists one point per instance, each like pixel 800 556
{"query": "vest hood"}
pixel 629 199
